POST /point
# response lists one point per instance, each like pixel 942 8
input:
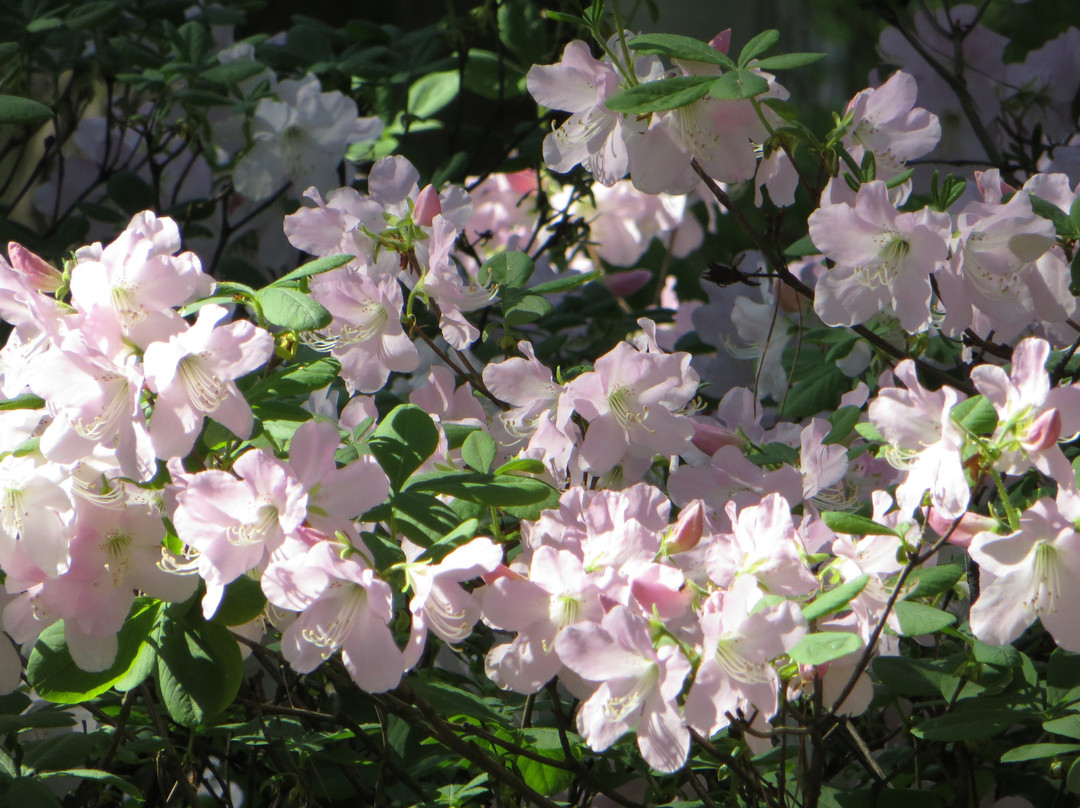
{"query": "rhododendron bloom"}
pixel 235 524
pixel 439 603
pixel 342 605
pixel 735 674
pixel 558 592
pixel 632 401
pixel 301 138
pixel 592 135
pixel 885 121
pixel 883 259
pixel 638 687
pixel 924 442
pixel 1031 415
pixel 366 335
pixel 193 375
pixel 1035 570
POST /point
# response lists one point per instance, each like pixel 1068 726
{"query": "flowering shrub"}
pixel 719 458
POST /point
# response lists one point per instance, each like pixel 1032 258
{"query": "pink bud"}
pixel 970 524
pixel 687 531
pixel 722 41
pixel 624 284
pixel 41 275
pixel 1043 432
pixel 427 206
pixel 711 437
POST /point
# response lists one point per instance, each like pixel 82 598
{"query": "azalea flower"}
pixel 638 687
pixel 1031 574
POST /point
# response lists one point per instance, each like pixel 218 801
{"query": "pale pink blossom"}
pixel 193 375
pixel 637 687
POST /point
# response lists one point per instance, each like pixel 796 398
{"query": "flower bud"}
pixel 711 437
pixel 1043 432
pixel 427 206
pixel 687 531
pixel 624 284
pixel 37 272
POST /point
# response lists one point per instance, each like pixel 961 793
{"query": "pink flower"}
pixel 592 135
pixel 735 675
pixel 883 258
pixel 1031 415
pixel 924 442
pixel 638 687
pixel 1031 574
pixel 366 335
pixel 632 401
pixel 439 602
pixel 236 524
pixel 342 605
pixel 885 121
pixel 193 375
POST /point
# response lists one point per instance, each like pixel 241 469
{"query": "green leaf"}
pixel 120 783
pixel 527 310
pixel 971 724
pixel 1038 751
pixel 450 542
pixel 772 454
pixel 22 111
pixel 855 525
pixel 130 191
pixel 38 719
pixel 1072 780
pixel 764 41
pixel 673 46
pixel 199 668
pixel 843 421
pixel 657 96
pixel 93 15
pixel 1062 675
pixel 565 284
pixel 292 309
pixel 501 491
pixel 243 602
pixel 492 76
pixel 26 791
pixel 1074 275
pixel 316 267
pixel 526 464
pixel 508 269
pixel 835 599
pixel 933 581
pixel 1063 223
pixel 54 675
pixel 546 780
pixel 819 392
pixel 975 414
pixel 479 451
pixel 825 646
pixel 233 72
pixel 912 677
pixel 789 61
pixel 917 619
pixel 1068 725
pixel 1074 214
pixel 297 380
pixel 801 247
pixel 451 701
pixel 433 92
pixel 26 401
pixel 737 84
pixel 421 518
pixel 403 441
